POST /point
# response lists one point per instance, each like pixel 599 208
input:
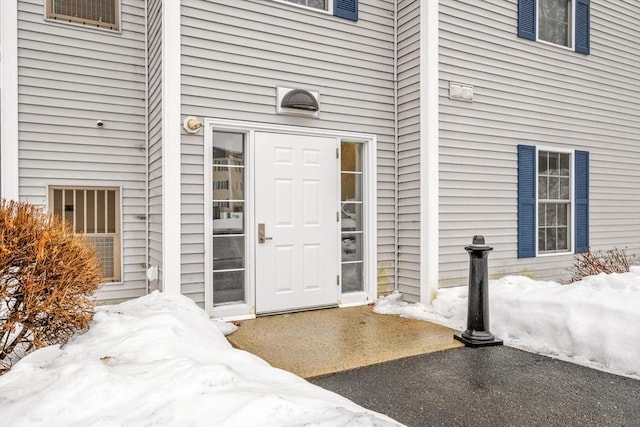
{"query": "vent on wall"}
pixel 100 14
pixel 460 92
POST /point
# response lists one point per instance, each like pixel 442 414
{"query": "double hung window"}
pixel 316 4
pixel 347 9
pixel 559 22
pixel 555 21
pixel 553 201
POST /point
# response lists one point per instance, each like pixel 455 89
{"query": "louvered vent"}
pixel 98 13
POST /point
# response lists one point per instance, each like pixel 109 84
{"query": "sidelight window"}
pixel 229 230
pixel 352 208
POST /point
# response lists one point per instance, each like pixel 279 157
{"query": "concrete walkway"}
pixel 490 386
pixel 321 342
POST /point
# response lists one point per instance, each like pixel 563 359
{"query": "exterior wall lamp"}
pixel 300 99
pixel 192 124
pixel 298 102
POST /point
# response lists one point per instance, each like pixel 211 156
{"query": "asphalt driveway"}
pixel 490 386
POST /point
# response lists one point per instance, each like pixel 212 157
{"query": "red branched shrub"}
pixel 48 275
pixel 595 262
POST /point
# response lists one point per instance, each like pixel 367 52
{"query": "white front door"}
pixel 296 199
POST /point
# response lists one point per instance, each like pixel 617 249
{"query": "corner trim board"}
pixel 9 179
pixel 429 151
pixel 171 139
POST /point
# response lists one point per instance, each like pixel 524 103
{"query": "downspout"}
pixel 396 226
pixel 146 138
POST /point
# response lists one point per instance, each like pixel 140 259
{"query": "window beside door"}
pixel 351 207
pixel 229 228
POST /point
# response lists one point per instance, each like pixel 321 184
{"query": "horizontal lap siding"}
pixel 537 94
pixel 409 149
pixel 70 77
pixel 154 48
pixel 234 54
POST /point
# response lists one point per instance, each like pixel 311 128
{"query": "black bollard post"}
pixel 477 333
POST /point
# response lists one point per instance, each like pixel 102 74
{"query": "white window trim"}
pixel 82 185
pixel 572 232
pixel 247 309
pixel 369 190
pixel 573 28
pixel 238 311
pixel 328 11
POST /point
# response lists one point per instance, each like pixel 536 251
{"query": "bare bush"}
pixel 595 262
pixel 48 275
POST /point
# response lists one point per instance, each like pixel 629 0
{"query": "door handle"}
pixel 261 234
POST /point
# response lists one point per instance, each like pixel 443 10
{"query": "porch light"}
pixel 192 124
pixel 300 99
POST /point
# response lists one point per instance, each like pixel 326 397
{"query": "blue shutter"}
pixel 527 19
pixel 582 201
pixel 582 26
pixel 526 201
pixel 347 9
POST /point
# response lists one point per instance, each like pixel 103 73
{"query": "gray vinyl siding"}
pixel 536 94
pixel 234 54
pixel 70 77
pixel 409 149
pixel 154 50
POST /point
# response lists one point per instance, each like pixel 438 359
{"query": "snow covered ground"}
pixel 594 322
pixel 159 361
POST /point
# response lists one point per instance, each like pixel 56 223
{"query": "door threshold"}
pixel 295 310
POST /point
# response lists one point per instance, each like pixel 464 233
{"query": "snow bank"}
pixel 594 322
pixel 159 361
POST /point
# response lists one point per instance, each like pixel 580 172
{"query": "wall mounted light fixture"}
pixel 300 99
pixel 299 102
pixel 192 124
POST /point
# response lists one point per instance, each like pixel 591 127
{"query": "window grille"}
pixel 94 213
pixel 554 202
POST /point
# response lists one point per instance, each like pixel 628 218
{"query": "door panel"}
pixel 296 200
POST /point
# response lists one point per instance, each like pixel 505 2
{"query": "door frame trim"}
pixel 247 309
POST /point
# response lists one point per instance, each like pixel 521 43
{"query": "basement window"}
pixel 94 213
